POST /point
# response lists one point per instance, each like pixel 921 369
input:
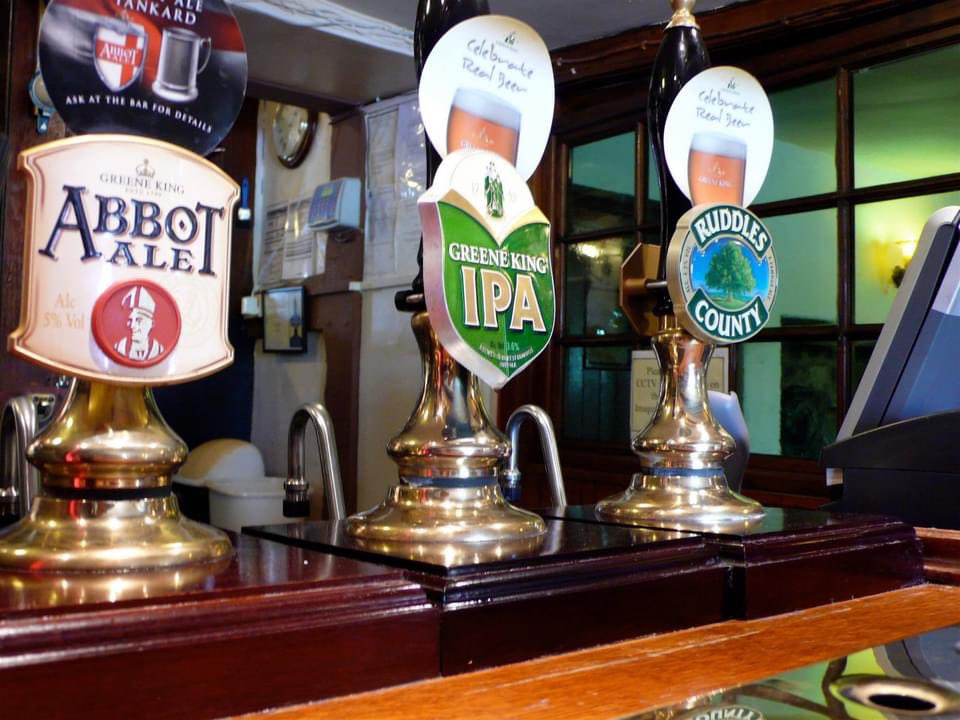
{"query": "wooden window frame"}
pixel 602 91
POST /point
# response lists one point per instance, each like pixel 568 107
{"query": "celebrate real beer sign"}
pixel 126 261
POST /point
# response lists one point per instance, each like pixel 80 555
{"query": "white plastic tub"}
pixel 238 503
pixel 221 459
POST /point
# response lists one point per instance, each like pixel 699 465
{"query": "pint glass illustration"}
pixel 180 64
pixel 717 169
pixel 482 121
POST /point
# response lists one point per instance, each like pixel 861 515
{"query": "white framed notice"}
pixel 284 320
pixel 645 383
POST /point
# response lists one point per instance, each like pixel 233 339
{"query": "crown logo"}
pixel 144 169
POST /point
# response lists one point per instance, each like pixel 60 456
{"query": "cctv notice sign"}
pixel 126 261
pixel 488 277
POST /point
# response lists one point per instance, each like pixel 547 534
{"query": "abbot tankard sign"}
pixel 174 70
pixel 126 261
pixel 488 278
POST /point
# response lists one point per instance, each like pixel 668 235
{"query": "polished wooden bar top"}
pixel 257 567
pixel 562 543
pixel 778 527
pixel 502 602
pixel 272 625
pixel 638 675
pixel 794 559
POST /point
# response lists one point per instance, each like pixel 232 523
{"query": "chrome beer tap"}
pixel 296 501
pixel 510 481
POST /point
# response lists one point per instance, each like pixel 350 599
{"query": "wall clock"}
pixel 293 131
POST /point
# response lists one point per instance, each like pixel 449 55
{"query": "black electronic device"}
pixel 898 450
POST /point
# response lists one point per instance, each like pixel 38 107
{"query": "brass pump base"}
pixel 106 535
pixel 105 464
pixel 445 515
pixel 682 485
pixel 449 456
pixel 702 503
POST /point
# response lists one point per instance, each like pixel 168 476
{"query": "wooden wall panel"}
pixel 20 19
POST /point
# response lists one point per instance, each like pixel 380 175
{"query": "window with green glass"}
pixel 602 184
pixel 592 290
pixel 903 131
pixel 806 248
pixel 805 143
pixel 600 195
pixel 788 392
pixel 596 393
pixel 886 237
pixel 844 224
pixel 905 118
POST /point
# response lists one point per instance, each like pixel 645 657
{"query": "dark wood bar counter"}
pixel 504 604
pixel 795 559
pixel 620 680
pixel 275 625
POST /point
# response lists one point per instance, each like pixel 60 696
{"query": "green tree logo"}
pixel 730 273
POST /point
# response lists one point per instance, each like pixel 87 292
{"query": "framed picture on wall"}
pixel 284 320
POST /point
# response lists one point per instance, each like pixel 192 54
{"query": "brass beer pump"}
pixel 106 460
pixel 449 455
pixel 106 504
pixel 681 484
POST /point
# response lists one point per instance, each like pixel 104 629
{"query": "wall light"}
pixel 589 250
pixel 907 248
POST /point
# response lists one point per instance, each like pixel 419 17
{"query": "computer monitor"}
pixel 897 451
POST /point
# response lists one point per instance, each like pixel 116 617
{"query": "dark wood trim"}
pixel 635 678
pixel 597 340
pixel 338 316
pixel 784 500
pixel 795 332
pixel 858 196
pixel 941 555
pixel 277 626
pixel 863 332
pixel 344 262
pixel 783 42
pixel 774 475
pixel 741 28
pixel 640 176
pixel 23 20
pixel 292 96
pixel 612 234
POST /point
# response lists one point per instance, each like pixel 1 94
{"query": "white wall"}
pixel 390 381
pixel 390 372
pixel 284 382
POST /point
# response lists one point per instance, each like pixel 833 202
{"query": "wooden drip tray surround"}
pixel 581 585
pixel 795 559
pixel 275 625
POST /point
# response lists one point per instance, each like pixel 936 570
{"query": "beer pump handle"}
pixel 434 18
pixel 681 56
